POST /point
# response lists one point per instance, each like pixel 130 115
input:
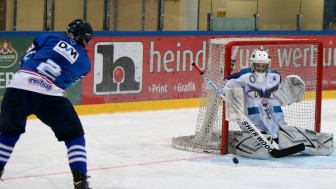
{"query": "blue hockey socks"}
pixel 77 154
pixel 7 143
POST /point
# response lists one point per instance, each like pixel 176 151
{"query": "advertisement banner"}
pixel 147 68
pixel 11 51
pixel 130 69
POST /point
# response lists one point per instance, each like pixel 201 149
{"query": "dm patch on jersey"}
pixel 66 50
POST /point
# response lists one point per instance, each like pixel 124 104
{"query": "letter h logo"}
pixel 118 68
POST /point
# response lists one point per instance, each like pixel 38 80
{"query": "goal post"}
pixel 302 57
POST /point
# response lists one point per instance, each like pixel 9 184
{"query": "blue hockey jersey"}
pixel 260 105
pixel 52 63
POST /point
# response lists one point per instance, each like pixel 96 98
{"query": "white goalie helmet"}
pixel 260 57
pixel 260 63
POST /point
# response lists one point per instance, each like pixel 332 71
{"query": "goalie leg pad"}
pixel 315 143
pixel 325 144
pixel 244 144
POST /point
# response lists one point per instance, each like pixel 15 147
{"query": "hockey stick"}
pixel 254 131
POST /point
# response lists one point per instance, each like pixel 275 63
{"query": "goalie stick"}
pixel 254 131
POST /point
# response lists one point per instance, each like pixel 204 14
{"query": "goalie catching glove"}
pixel 292 90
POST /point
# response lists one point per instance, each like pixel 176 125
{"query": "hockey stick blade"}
pixel 287 151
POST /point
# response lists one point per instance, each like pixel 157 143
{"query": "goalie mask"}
pixel 260 62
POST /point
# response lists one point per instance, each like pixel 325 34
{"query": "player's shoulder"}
pixel 240 73
pixel 273 71
pixel 65 42
pixel 49 39
pixel 54 35
pixel 58 37
pixel 246 70
pixel 65 46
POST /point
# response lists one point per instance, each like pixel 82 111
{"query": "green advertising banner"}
pixel 11 51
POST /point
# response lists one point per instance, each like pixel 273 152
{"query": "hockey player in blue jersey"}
pixel 52 63
pixel 264 94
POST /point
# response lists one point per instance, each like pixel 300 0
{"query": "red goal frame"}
pixel 318 99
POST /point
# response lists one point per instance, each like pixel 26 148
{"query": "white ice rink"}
pixel 134 151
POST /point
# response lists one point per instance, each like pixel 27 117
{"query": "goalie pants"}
pixel 56 112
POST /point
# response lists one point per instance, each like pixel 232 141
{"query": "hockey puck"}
pixel 235 160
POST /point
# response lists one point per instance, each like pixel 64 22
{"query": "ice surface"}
pixel 134 151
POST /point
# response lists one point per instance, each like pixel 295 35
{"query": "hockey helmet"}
pixel 260 61
pixel 80 31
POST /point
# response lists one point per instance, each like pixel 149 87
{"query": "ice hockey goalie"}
pixel 261 100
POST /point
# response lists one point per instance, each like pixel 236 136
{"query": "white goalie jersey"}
pixel 260 104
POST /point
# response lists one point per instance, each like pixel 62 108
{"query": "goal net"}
pixel 227 56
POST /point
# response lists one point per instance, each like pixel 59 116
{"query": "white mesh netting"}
pixel 229 55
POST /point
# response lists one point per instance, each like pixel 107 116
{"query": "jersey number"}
pixel 49 69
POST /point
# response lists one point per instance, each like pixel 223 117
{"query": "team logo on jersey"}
pixel 252 79
pixel 118 68
pixel 8 55
pixel 40 83
pixel 273 79
pixel 67 51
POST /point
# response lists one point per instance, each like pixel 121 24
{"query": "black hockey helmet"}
pixel 80 31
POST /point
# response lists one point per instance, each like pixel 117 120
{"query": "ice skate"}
pixel 2 170
pixel 80 180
